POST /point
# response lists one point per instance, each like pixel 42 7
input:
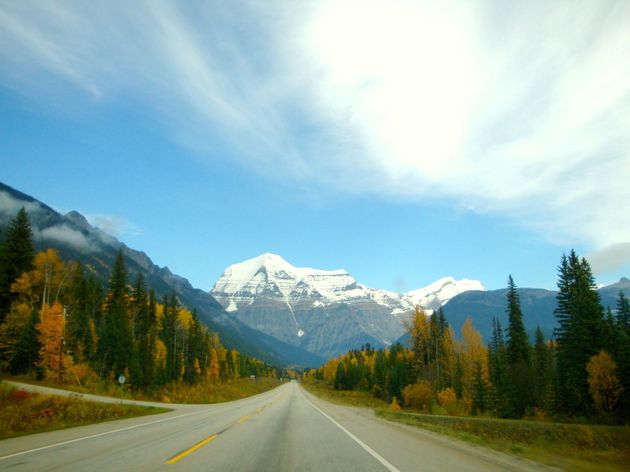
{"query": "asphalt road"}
pixel 286 429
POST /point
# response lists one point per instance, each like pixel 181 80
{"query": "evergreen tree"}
pixel 79 331
pixel 622 358
pixel 480 389
pixel 195 352
pixel 543 369
pixel 26 355
pixel 579 333
pixel 621 353
pixel 498 369
pixel 520 379
pixel 623 312
pixel 115 343
pixel 169 336
pixel 16 257
pixel 380 375
pixel 140 327
pixel 517 340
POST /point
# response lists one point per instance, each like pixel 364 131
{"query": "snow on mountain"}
pixel 269 274
pixel 438 293
pixel 323 311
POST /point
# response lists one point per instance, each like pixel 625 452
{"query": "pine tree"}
pixel 79 331
pixel 26 355
pixel 169 336
pixel 498 369
pixel 542 368
pixel 623 312
pixel 16 257
pixel 115 344
pixel 140 326
pixel 195 352
pixel 480 389
pixel 621 353
pixel 517 340
pixel 579 333
pixel 380 375
pixel 520 375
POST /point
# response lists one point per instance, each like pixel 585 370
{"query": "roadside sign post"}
pixel 121 381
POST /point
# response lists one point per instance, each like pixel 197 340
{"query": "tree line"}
pixel 582 372
pixel 58 321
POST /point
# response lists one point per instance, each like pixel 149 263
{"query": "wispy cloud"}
pixel 10 206
pixel 113 225
pixel 67 235
pixel 517 109
pixel 610 259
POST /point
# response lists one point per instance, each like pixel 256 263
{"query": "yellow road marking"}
pixel 192 449
pixel 244 418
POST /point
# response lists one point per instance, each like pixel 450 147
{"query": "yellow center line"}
pixel 192 449
pixel 244 418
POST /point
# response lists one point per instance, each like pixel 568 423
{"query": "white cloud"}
pixel 10 206
pixel 610 259
pixel 520 109
pixel 113 225
pixel 67 235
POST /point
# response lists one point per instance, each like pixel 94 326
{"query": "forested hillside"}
pixel 58 322
pixel 583 371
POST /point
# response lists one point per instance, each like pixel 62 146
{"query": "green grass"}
pixel 171 393
pixel 23 412
pixel 215 393
pixel 321 389
pixel 573 447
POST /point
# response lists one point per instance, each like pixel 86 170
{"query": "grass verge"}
pixel 321 389
pixel 572 447
pixel 171 393
pixel 215 393
pixel 24 412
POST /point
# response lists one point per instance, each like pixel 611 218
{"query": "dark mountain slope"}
pixel 75 239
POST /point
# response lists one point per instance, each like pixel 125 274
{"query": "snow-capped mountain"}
pixel 324 311
pixel 438 293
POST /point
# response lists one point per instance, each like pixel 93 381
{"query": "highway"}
pixel 285 429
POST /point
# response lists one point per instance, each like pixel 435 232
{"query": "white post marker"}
pixel 121 381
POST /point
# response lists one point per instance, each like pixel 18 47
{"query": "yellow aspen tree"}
pixel 447 361
pixel 603 383
pixel 474 353
pixel 213 368
pixel 50 329
pixel 159 355
pixel 330 369
pixel 235 364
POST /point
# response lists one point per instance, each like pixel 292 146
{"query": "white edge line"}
pixel 97 435
pixel 371 451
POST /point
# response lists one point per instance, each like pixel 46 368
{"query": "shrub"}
pixel 446 397
pixel 418 396
pixel 395 406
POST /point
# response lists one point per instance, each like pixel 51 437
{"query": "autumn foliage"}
pixel 61 323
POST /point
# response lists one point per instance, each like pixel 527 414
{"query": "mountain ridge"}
pixel 75 239
pixel 324 311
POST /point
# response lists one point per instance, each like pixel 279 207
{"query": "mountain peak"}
pixel 271 274
pixel 441 291
pixel 79 220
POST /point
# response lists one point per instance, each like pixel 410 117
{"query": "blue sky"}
pixel 402 141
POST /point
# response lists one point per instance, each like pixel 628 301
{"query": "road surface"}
pixel 285 429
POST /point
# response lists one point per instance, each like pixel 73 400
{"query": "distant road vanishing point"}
pixel 285 429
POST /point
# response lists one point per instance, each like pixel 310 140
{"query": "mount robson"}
pixel 286 315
